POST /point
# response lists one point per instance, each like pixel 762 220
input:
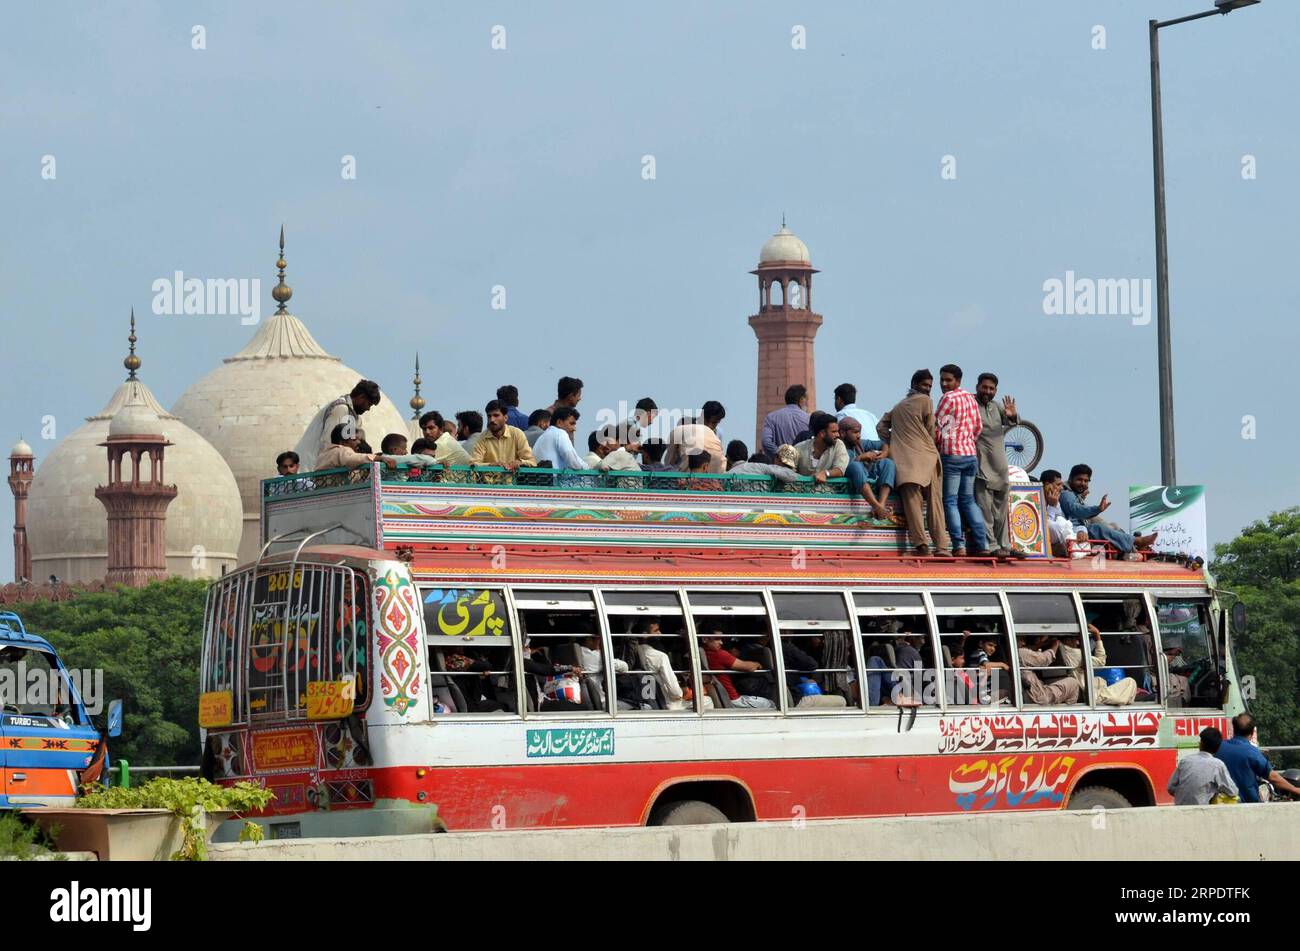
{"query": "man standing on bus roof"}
pixel 717 659
pixel 957 426
pixel 1198 779
pixel 502 445
pixel 908 428
pixel 786 426
pixel 509 395
pixel 346 410
pixel 1246 764
pixel 992 480
pixel 568 392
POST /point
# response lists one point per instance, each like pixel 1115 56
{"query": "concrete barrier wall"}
pixel 1202 833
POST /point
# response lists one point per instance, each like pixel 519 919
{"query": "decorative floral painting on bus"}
pixel 346 744
pixel 1024 520
pixel 397 638
pixel 464 612
pixel 1014 781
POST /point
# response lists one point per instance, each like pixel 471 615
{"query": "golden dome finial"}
pixel 132 362
pixel 282 291
pixel 417 401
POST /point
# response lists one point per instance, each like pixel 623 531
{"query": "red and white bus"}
pixel 393 648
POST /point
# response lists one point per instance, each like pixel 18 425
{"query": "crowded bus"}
pixel 649 649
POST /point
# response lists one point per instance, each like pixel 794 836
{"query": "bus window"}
pixel 471 654
pixel 976 649
pixel 1187 640
pixel 817 650
pixel 564 657
pixel 1044 623
pixel 647 632
pixel 1124 668
pixel 899 649
pixel 736 662
pixel 224 623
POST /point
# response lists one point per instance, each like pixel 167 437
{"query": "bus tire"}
pixel 1090 797
pixel 688 812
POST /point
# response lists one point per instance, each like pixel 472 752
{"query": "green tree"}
pixel 147 642
pixel 1262 566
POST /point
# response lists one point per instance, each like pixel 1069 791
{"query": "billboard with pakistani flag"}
pixel 1177 512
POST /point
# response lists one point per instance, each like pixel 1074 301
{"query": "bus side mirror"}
pixel 115 718
pixel 1239 618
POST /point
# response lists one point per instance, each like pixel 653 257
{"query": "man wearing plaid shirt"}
pixel 957 427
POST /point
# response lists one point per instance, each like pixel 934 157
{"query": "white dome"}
pixel 21 449
pixel 135 419
pixel 782 247
pixel 258 403
pixel 68 527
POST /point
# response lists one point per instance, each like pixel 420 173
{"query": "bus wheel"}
pixel 688 812
pixel 1090 797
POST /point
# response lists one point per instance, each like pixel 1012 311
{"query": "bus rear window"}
pixel 308 626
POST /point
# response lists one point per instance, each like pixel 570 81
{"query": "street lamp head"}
pixel 1227 6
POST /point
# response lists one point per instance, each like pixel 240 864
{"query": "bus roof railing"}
pixel 619 480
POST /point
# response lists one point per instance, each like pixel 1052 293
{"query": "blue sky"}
pixel 522 167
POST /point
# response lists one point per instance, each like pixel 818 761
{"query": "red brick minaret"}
pixel 137 500
pixel 22 466
pixel 785 323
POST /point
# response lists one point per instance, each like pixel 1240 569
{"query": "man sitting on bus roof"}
pixel 699 434
pixel 343 454
pixel 870 472
pixel 626 440
pixel 539 420
pixel 502 445
pixel 394 446
pixel 1061 529
pixel 822 456
pixel 554 444
pixel 469 429
pixel 783 471
pixel 1079 514
pixel 717 660
pixel 652 456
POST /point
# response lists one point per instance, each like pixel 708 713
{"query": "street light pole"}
pixel 1165 370
pixel 1164 358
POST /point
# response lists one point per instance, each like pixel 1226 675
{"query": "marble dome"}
pixel 259 401
pixel 67 527
pixel 784 247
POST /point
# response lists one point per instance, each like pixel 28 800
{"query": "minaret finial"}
pixel 417 401
pixel 783 220
pixel 132 362
pixel 282 291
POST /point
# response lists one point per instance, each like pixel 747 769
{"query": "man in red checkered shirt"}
pixel 957 426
